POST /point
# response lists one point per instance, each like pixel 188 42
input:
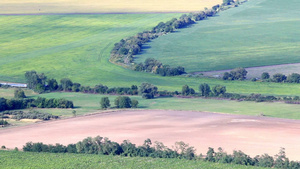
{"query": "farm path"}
pixel 252 134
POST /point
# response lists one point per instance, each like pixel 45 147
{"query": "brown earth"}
pixel 253 135
pixel 101 6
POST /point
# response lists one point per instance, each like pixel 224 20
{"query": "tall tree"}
pixel 147 90
pixel 204 89
pixel 19 94
pixel 104 103
pixel 33 79
pixel 66 84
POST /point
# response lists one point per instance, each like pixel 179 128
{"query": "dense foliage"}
pixel 19 94
pixel 12 104
pixel 154 66
pixel 281 78
pixel 147 90
pixel 33 114
pixel 235 74
pixel 67 85
pixel 104 146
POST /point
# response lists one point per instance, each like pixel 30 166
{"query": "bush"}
pixel 19 94
pixel 147 90
pixel 134 103
pixel 265 75
pixel 104 103
pixel 278 77
pixel 123 102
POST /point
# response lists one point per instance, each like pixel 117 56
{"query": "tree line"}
pixel 279 78
pixel 40 83
pixel 124 51
pixel 149 91
pixel 120 102
pixel 13 104
pixel 154 66
pixel 181 150
pixel 32 114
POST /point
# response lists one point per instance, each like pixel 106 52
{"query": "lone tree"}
pixel 265 75
pixel 104 103
pixel 19 94
pixel 218 90
pixel 66 84
pixel 204 89
pixel 134 103
pixel 278 77
pixel 123 102
pixel 35 81
pixel 147 90
pixel 236 74
pixel 239 73
pixel 186 90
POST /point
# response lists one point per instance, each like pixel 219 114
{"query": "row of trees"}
pixel 66 84
pixel 33 114
pixel 235 74
pixel 104 146
pixel 149 91
pixel 124 50
pixel 238 157
pixel 204 90
pixel 241 73
pixel 154 66
pixel 120 102
pixel 278 77
pixel 13 104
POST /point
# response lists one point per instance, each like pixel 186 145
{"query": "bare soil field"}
pixel 101 6
pixel 255 72
pixel 252 134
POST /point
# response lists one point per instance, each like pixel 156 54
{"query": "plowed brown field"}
pixel 252 134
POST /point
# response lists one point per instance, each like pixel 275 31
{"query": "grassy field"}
pixel 78 47
pixel 101 6
pixel 258 33
pixel 13 159
pixel 89 103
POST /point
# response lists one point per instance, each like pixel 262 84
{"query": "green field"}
pixel 78 47
pixel 89 103
pixel 13 159
pixel 257 33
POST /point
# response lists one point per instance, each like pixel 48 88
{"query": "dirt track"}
pixel 251 134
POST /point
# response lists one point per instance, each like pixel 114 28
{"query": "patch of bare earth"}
pixel 252 134
pixel 255 72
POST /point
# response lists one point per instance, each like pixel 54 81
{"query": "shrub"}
pixel 104 103
pixel 134 103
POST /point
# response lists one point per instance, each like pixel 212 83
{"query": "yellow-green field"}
pixel 102 6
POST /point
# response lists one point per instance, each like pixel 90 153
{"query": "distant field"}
pixel 257 33
pixel 10 159
pixel 102 6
